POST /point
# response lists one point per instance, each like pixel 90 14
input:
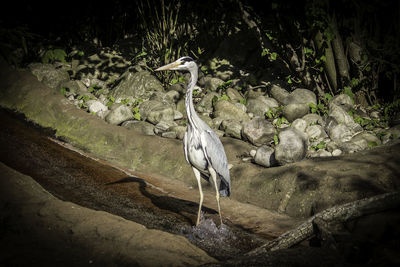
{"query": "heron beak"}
pixel 170 66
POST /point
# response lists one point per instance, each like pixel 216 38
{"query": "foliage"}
pixel 135 108
pixel 222 97
pixel 224 86
pixel 274 113
pixel 64 91
pixel 180 79
pixel 111 101
pixel 322 107
pixel 276 139
pixel 281 120
pixel 320 145
pixel 53 55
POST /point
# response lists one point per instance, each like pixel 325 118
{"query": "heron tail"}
pixel 224 188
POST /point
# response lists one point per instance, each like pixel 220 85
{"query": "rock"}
pixel 265 156
pixel 253 153
pixel 259 131
pixel 302 96
pixel 280 94
pixel 344 101
pixel 212 83
pixel 232 128
pixel 323 153
pixel 300 125
pixel 241 106
pixel 178 87
pixel 136 85
pixel 179 131
pixel 229 111
pixel 354 146
pixel 313 118
pixel 206 103
pixel 295 110
pixel 316 132
pixel 96 106
pixel 365 140
pixel 260 105
pixel 340 133
pixel 119 114
pixel 72 87
pixel 155 111
pixel 171 135
pixel 173 95
pixel 142 127
pixel 177 115
pixel 336 152
pixel 163 126
pixel 213 123
pixel 291 148
pixel 49 75
pixel 165 98
pixel 180 106
pixel 341 116
pixel 234 95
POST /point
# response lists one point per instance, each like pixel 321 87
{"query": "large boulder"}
pixel 259 131
pixel 280 94
pixel 292 146
pixel 294 111
pixel 265 156
pixel 342 117
pixel 228 111
pixel 344 101
pixel 49 75
pixel 260 105
pixel 142 127
pixel 212 83
pixel 136 85
pixel 119 114
pixel 302 96
pixel 206 103
pixel 232 128
pixel 155 111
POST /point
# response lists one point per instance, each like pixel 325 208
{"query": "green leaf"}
pixel 347 91
pixel 372 144
pixel 273 56
pixel 224 97
pixel 328 96
pixel 264 52
pixel 276 140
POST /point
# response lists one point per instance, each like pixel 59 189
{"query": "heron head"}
pixel 183 63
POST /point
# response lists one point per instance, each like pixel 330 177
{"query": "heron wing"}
pixel 215 155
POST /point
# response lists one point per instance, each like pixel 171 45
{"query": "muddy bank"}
pixel 298 189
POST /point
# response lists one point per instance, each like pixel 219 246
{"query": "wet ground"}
pixel 71 176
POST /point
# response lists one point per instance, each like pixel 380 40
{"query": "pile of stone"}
pixel 108 86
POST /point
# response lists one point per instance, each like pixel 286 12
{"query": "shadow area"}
pixel 181 208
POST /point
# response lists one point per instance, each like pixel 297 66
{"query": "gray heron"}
pixel 202 147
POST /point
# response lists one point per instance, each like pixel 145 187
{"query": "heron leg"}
pixel 214 177
pixel 197 174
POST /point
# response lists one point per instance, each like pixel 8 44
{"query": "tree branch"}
pixel 331 216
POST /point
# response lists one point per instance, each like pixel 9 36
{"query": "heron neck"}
pixel 190 111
